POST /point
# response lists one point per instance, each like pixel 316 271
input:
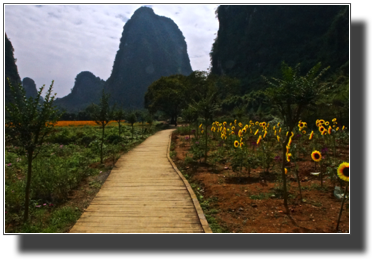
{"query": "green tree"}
pixel 291 96
pixel 28 122
pixel 131 118
pixel 119 116
pixel 207 105
pixel 167 95
pixel 102 114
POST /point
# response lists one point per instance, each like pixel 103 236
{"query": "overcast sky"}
pixel 57 42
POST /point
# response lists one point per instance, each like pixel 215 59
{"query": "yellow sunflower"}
pixel 256 132
pixel 212 129
pixel 265 134
pixel 278 124
pixel 289 143
pixel 240 124
pixel 288 157
pixel 200 126
pixel 279 130
pixel 240 133
pixel 244 130
pixel 311 135
pixel 240 145
pixel 324 132
pixel 330 130
pixel 316 156
pixel 337 128
pixel 236 143
pixel 285 171
pixel 278 138
pixel 343 127
pixel 303 132
pixel 274 128
pixel 232 132
pixel 327 123
pixel 259 139
pixel 321 129
pixel 334 119
pixel 275 132
pixel 231 123
pixel 321 121
pixel 343 171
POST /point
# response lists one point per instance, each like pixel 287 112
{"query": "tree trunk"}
pixel 28 186
pixel 284 179
pixel 101 146
pixel 206 143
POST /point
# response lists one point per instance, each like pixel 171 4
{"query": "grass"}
pixel 69 155
pixel 261 196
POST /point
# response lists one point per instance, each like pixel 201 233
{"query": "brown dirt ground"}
pixel 240 214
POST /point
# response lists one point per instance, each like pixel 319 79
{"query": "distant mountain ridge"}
pixel 10 69
pixel 253 40
pixel 151 46
pixel 87 89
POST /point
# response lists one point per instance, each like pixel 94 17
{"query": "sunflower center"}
pixel 345 172
pixel 316 156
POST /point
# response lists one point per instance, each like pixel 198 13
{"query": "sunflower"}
pixel 200 126
pixel 274 128
pixel 324 132
pixel 275 132
pixel 263 124
pixel 213 129
pixel 278 124
pixel 256 123
pixel 278 138
pixel 240 124
pixel 231 123
pixel 337 128
pixel 288 156
pixel 311 135
pixel 321 121
pixel 327 123
pixel 287 133
pixel 292 134
pixel 316 122
pixel 279 130
pixel 330 130
pixel 321 129
pixel 343 171
pixel 202 131
pixel 233 128
pixel 224 123
pixel 334 119
pixel 251 131
pixel 264 135
pixel 235 122
pixel 240 133
pixel 343 127
pixel 236 143
pixel 259 139
pixel 240 145
pixel 303 132
pixel 287 149
pixel 316 156
pixel 289 143
pixel 250 121
pixel 285 171
pixel 246 127
pixel 256 132
pixel 232 132
pixel 301 125
pixel 244 130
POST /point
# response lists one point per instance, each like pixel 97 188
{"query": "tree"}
pixel 207 105
pixel 291 96
pixel 167 95
pixel 28 122
pixel 102 114
pixel 119 116
pixel 131 118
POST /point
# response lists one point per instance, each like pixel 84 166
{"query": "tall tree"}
pixel 28 122
pixel 102 114
pixel 291 96
pixel 167 95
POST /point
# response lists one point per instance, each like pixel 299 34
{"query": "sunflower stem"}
pixel 342 205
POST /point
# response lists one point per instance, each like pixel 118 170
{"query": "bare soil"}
pixel 253 204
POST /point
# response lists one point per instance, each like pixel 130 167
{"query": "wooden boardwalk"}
pixel 144 193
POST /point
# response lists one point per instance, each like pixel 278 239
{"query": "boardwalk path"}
pixel 144 193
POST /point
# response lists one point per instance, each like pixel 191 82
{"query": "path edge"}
pixel 198 208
